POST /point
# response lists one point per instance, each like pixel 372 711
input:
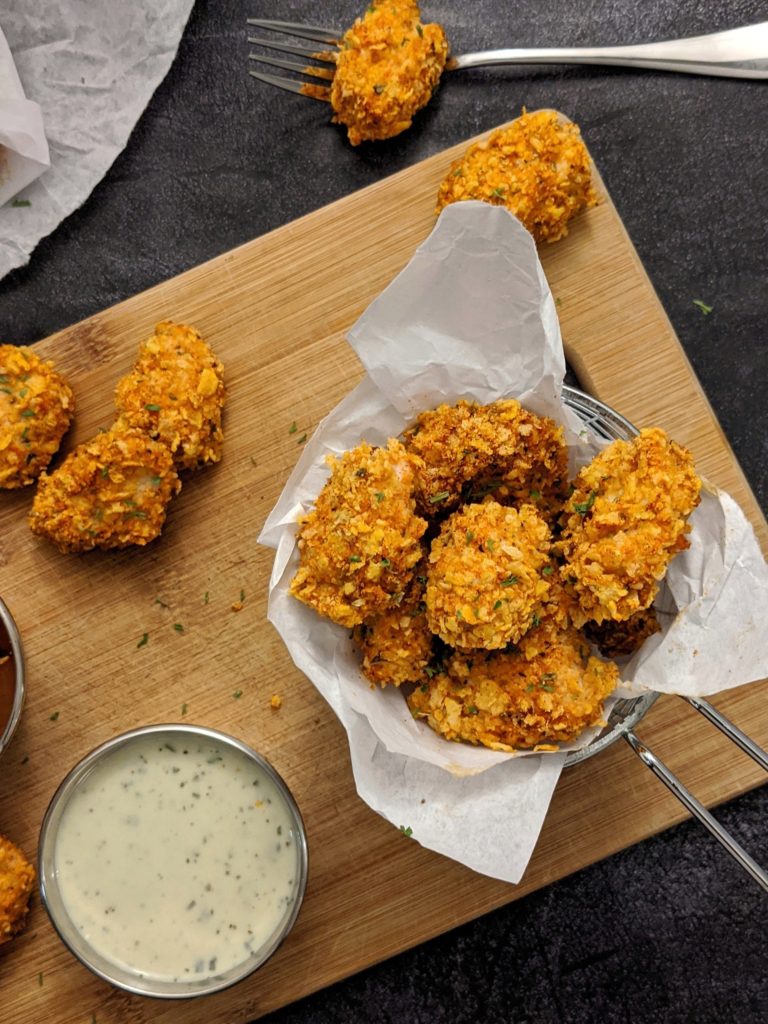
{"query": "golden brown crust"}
pixel 361 542
pixel 499 451
pixel 387 70
pixel 396 647
pixel 538 167
pixel 484 582
pixel 506 701
pixel 625 521
pixel 17 880
pixel 110 492
pixel 36 409
pixel 175 394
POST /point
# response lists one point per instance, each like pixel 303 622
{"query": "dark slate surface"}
pixel 670 931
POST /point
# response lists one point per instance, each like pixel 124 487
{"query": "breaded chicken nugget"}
pixel 624 522
pixel 17 879
pixel 359 545
pixel 175 393
pixel 36 409
pixel 508 702
pixel 456 443
pixel 537 167
pixel 110 492
pixel 387 69
pixel 530 463
pixel 397 646
pixel 484 582
pixel 615 639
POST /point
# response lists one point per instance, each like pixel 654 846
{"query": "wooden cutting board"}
pixel 276 311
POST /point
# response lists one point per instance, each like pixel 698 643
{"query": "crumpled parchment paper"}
pixel 471 316
pixel 92 68
pixel 23 147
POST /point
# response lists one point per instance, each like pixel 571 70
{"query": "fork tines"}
pixel 312 33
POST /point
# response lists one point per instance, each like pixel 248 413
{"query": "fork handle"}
pixel 736 53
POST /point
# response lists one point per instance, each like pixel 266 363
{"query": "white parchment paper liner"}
pixel 23 147
pixel 92 68
pixel 471 316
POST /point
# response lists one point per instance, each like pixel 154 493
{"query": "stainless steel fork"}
pixel 736 53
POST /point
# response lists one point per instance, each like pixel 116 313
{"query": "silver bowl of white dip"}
pixel 11 676
pixel 173 861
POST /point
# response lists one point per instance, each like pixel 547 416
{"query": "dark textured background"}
pixel 670 931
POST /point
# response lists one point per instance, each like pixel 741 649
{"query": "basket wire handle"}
pixel 698 809
pixel 739 738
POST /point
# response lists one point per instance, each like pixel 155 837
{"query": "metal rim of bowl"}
pixel 68 932
pixel 17 653
pixel 610 426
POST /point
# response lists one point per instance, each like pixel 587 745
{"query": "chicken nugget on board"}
pixel 17 880
pixel 175 394
pixel 387 68
pixel 360 544
pixel 505 701
pixel 36 409
pixel 538 167
pixel 625 520
pixel 110 492
pixel 485 581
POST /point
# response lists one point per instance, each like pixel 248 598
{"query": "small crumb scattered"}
pixel 276 701
pixel 237 606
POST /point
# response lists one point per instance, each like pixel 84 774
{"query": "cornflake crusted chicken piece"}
pixel 175 393
pixel 387 70
pixel 624 522
pixel 507 702
pixel 500 450
pixel 484 583
pixel 110 492
pixel 538 167
pixel 17 879
pixel 359 545
pixel 397 646
pixel 616 639
pixel 36 409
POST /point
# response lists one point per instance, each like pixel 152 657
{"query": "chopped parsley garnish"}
pixel 458 614
pixel 206 597
pixel 155 481
pixel 490 544
pixel 237 694
pixel 420 30
pixel 355 558
pixel 40 978
pixel 302 439
pixel 497 605
pixel 705 309
pixel 183 709
pixel 535 495
pixel 178 627
pixel 152 407
pixel 498 193
pixel 379 496
pixel 379 89
pixel 17 203
pixel 472 710
pixel 509 581
pixel 385 562
pixel 242 595
pixel 54 717
pixel 422 580
pixel 361 472
pixel 161 603
pixel 293 428
pixel 406 831
pixel 549 689
pixel 547 570
pixel 25 435
pixel 144 640
pixel 440 496
pixel 470 536
pixel 28 412
pixel 104 472
pixel 582 507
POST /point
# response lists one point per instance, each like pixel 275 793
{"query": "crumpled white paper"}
pixel 23 147
pixel 471 316
pixel 92 68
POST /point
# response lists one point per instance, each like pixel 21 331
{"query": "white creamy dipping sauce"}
pixel 177 858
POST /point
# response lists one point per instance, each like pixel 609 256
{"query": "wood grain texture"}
pixel 276 311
